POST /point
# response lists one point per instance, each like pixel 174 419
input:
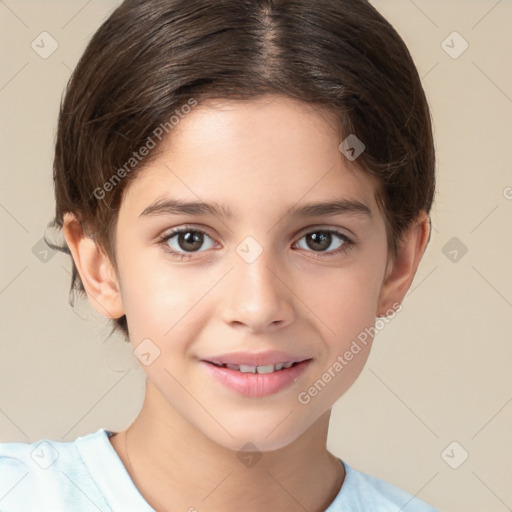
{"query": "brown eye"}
pixel 320 240
pixel 185 240
pixel 189 240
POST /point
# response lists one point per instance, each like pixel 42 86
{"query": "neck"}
pixel 175 467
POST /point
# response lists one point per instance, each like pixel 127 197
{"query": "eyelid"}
pixel 315 227
pixel 181 227
pixel 171 232
pixel 320 227
pixel 349 242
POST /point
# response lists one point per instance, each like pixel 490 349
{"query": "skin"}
pixel 259 158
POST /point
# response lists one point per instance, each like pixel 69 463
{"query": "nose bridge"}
pixel 257 295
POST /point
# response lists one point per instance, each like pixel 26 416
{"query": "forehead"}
pixel 251 154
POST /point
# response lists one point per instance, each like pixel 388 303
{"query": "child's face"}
pixel 258 159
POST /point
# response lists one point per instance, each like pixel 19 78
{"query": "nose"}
pixel 257 295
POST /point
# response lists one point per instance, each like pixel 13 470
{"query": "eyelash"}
pixel 347 245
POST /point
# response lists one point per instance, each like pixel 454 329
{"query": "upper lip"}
pixel 256 358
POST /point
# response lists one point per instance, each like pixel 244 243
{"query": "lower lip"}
pixel 256 384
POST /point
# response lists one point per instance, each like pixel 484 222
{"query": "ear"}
pixel 400 273
pixel 95 269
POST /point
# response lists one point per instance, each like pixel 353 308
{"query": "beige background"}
pixel 439 372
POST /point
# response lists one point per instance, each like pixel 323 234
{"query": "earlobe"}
pixel 95 269
pixel 400 273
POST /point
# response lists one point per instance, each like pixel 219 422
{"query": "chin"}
pixel 251 435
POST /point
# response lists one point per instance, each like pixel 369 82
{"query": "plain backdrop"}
pixel 431 411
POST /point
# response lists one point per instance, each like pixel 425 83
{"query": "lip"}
pixel 256 358
pixel 255 384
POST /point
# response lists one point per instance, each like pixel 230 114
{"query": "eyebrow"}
pixel 311 209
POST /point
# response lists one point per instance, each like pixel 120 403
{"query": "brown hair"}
pixel 150 57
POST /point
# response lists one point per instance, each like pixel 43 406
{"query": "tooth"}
pixel 279 366
pixel 287 365
pixel 265 369
pixel 247 369
pixel 232 366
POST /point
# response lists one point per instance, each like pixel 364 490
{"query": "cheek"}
pixel 345 301
pixel 143 284
pixel 345 308
pixel 162 302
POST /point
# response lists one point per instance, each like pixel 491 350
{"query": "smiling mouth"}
pixel 257 381
pixel 270 368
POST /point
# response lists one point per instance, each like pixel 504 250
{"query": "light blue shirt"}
pixel 87 475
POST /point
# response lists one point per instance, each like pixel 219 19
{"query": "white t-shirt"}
pixel 87 475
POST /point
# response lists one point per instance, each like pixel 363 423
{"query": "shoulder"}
pixel 361 492
pixel 46 475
